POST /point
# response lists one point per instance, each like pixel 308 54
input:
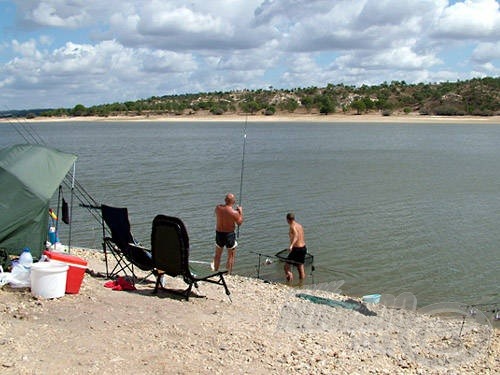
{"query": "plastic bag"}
pixel 4 277
pixel 20 276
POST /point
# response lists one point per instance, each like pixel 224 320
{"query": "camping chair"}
pixel 170 250
pixel 122 245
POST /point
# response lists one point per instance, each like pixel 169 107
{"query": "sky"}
pixel 57 54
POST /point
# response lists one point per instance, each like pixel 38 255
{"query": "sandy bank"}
pixel 333 118
pixel 266 329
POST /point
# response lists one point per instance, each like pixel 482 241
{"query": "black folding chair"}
pixel 122 246
pixel 170 250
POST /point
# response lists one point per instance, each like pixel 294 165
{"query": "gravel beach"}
pixel 266 329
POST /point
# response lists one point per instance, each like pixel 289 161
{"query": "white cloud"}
pixel 304 68
pixel 403 58
pixel 45 40
pixel 56 13
pixel 167 61
pixel 487 70
pixel 182 20
pixel 27 49
pixel 470 19
pixel 485 52
pixel 126 49
pixel 76 68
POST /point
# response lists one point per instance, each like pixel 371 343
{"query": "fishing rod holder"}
pixel 474 309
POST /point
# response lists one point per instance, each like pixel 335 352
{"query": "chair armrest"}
pixel 137 246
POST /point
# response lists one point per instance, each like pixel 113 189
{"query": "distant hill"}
pixel 27 113
pixel 475 97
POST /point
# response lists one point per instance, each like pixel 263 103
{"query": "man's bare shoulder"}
pixel 298 228
pixel 222 208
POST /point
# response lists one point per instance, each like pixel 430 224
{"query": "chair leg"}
pixel 188 291
pixel 157 284
pixel 121 265
pixel 228 293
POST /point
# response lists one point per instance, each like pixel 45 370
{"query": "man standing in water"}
pixel 297 249
pixel 227 219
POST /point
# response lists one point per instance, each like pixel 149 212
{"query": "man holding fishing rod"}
pixel 225 236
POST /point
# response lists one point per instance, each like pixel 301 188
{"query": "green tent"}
pixel 29 176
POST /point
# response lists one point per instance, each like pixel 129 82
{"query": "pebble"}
pixel 266 329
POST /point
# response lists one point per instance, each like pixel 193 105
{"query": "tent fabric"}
pixel 29 176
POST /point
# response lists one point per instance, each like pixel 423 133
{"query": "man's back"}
pixel 297 234
pixel 226 218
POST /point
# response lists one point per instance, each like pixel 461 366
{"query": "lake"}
pixel 386 208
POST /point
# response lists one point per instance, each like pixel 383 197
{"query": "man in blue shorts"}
pixel 227 219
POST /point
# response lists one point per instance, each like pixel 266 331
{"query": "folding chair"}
pixel 122 246
pixel 170 250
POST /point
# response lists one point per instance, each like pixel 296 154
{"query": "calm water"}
pixel 386 208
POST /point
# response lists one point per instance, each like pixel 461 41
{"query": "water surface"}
pixel 387 208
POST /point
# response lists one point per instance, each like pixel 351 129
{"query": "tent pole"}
pixel 57 210
pixel 71 206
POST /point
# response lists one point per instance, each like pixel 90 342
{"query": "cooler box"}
pixel 76 270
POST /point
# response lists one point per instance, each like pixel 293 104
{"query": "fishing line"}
pixel 242 167
pixel 30 135
pixel 19 130
pixel 25 130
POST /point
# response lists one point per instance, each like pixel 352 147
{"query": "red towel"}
pixel 120 283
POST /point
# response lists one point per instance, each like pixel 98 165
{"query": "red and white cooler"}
pixel 76 270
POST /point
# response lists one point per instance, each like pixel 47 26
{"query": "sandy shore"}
pixel 266 329
pixel 333 118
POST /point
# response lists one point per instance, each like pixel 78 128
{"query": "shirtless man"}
pixel 227 219
pixel 297 249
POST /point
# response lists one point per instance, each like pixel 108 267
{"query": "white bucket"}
pixel 48 279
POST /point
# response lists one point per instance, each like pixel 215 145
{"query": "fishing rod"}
pixel 27 135
pixel 30 135
pixel 242 167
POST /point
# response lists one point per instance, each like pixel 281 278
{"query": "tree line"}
pixel 476 97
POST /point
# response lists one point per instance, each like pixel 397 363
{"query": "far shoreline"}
pixel 312 118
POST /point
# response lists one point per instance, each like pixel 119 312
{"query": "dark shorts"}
pixel 227 239
pixel 297 255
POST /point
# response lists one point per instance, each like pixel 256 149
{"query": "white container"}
pixel 372 298
pixel 48 279
pixel 26 259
